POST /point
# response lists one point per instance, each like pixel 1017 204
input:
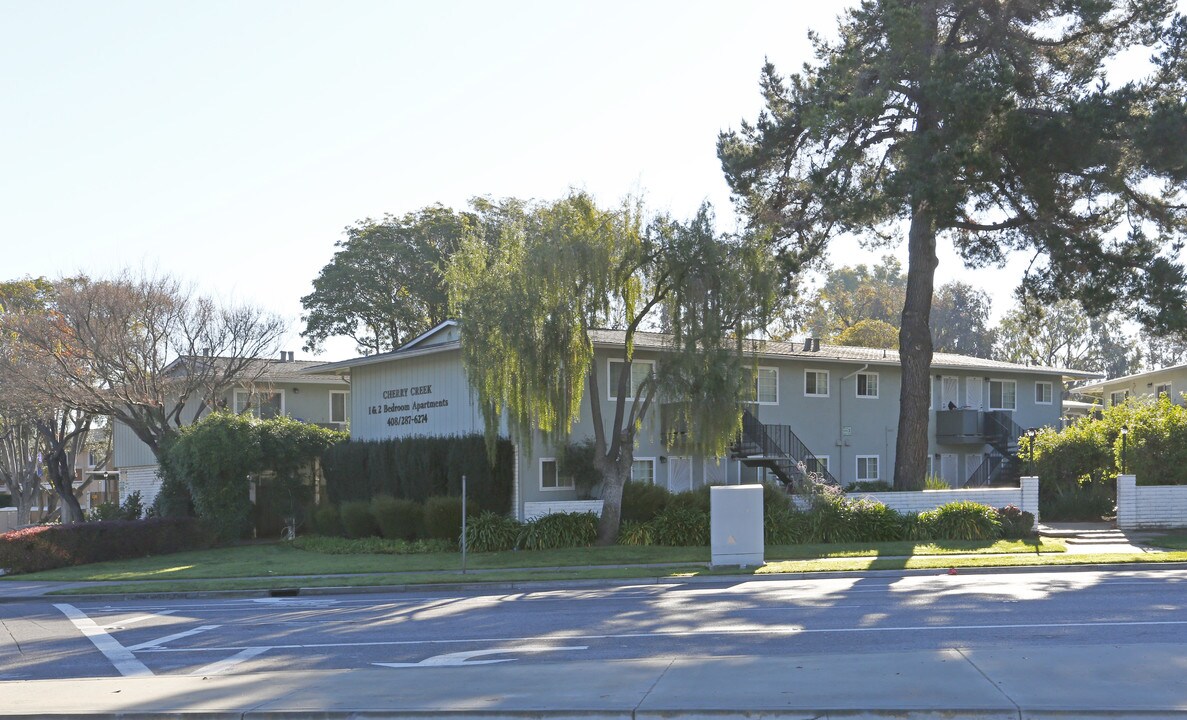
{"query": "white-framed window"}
pixel 819 464
pixel 765 386
pixel 1161 390
pixel 816 383
pixel 1003 395
pixel 339 406
pixel 640 371
pixel 264 404
pixel 867 467
pixel 1043 393
pixel 1118 398
pixel 867 385
pixel 549 477
pixel 643 470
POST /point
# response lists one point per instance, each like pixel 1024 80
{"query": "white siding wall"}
pixel 146 479
pixel 7 519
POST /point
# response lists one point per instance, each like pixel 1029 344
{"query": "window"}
pixel 1003 395
pixel 263 404
pixel 867 385
pixel 765 389
pixel 1162 390
pixel 339 402
pixel 1118 398
pixel 1043 393
pixel 640 371
pixel 867 467
pixel 816 383
pixel 549 480
pixel 643 471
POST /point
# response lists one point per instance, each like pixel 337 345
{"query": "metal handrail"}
pixel 780 443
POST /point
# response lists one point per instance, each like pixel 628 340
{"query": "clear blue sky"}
pixel 229 143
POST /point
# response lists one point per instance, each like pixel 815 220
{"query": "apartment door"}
pixel 679 473
pixel 949 392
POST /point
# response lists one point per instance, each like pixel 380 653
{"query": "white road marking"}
pixel 780 630
pixel 120 656
pixel 152 644
pixel 222 666
pixel 138 618
pixel 460 658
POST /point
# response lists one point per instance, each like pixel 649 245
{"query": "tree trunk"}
pixel 61 477
pixel 915 351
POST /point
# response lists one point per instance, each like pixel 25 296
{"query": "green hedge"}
pixel 418 468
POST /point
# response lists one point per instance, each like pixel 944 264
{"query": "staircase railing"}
pixel 781 446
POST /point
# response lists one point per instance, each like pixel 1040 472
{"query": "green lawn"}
pixel 279 559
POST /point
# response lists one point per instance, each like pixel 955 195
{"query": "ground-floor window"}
pixel 867 467
pixel 643 470
pixel 549 477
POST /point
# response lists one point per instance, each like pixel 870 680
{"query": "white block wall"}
pixel 1150 506
pixel 1024 498
pixel 145 479
pixel 533 510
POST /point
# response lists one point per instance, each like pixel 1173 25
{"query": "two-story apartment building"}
pixel 268 388
pixel 1169 381
pixel 831 408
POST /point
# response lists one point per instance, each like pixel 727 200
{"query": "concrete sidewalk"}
pixel 1079 682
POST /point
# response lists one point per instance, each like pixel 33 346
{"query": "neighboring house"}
pixel 1170 381
pixel 270 388
pixel 827 408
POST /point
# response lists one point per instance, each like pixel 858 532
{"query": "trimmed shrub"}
pixel 52 546
pixel 774 498
pixel 559 530
pixel 873 521
pixel 443 517
pixel 1016 524
pixel 963 520
pixel 679 525
pixel 357 520
pixel 492 532
pixel 869 486
pixel 633 532
pixel 642 501
pixel 327 520
pixel 397 519
pixel 783 526
pixel 697 499
pixel 417 468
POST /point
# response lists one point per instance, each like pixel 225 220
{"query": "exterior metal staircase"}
pixel 778 449
pixel 1003 466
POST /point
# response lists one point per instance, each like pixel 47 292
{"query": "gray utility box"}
pixel 735 520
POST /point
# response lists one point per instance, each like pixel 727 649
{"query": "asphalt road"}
pixel 1017 611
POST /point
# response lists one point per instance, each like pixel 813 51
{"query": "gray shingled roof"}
pixel 842 353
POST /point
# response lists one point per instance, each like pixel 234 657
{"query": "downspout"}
pixel 841 422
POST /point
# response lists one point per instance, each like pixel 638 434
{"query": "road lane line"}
pixel 220 667
pixel 120 656
pixel 783 630
pixel 152 644
pixel 134 620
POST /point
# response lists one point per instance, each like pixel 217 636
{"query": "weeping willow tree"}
pixel 528 307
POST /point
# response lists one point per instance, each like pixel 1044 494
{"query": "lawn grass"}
pixel 281 559
pixel 1171 541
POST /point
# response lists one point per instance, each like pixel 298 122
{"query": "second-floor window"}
pixel 1161 390
pixel 640 371
pixel 1003 395
pixel 816 383
pixel 261 403
pixel 1118 398
pixel 1043 393
pixel 867 385
pixel 765 390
